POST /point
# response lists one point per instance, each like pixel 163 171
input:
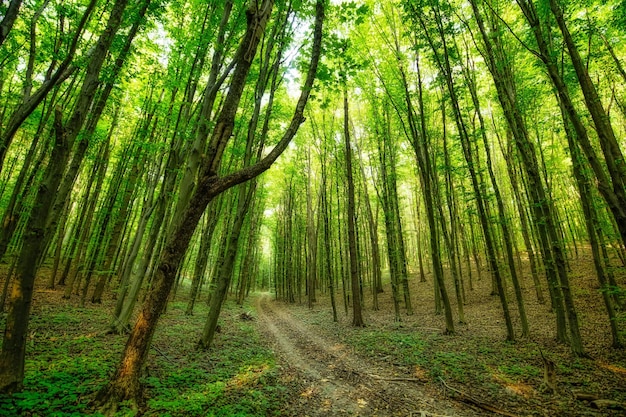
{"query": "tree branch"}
pixel 245 174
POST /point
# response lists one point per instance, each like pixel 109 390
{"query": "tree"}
pixel 125 383
pixel 542 209
pixel 414 127
pixel 56 73
pixel 357 316
pixel 37 232
pixel 10 14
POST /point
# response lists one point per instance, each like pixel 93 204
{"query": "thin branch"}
pixel 528 48
pixel 471 400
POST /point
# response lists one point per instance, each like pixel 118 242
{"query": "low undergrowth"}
pixel 478 362
pixel 70 357
pixel 430 356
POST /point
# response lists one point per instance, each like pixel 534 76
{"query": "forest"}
pixel 312 207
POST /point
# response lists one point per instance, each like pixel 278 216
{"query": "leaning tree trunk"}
pixel 19 304
pixel 6 24
pixel 125 383
pixel 14 346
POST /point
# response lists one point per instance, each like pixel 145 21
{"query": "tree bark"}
pixel 37 232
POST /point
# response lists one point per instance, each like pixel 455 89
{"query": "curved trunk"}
pixel 125 383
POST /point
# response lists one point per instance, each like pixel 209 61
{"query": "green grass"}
pixel 520 370
pixel 414 349
pixel 69 358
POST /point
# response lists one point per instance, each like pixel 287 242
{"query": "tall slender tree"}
pixel 125 383
pixel 36 235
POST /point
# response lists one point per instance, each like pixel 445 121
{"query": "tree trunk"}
pixel 612 152
pixel 226 266
pixel 6 24
pixel 13 348
pixel 328 257
pixel 121 219
pixel 20 300
pixel 125 383
pixel 504 221
pixel 443 62
pixel 543 216
pixel 202 257
pixel 357 317
pixel 594 229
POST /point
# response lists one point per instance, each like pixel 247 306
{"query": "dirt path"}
pixel 334 381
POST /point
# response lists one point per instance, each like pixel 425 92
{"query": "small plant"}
pixel 520 370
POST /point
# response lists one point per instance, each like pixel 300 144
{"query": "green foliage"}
pixel 471 362
pixel 407 347
pixel 70 359
pixel 520 370
pixel 59 390
pixel 242 380
pixel 410 349
pixel 350 12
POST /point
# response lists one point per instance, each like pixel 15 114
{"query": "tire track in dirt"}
pixel 333 380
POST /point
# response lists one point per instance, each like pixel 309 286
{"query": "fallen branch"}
pixel 471 400
pixel 585 396
pixel 430 329
pixel 395 378
pixel 246 316
pixel 423 413
pixel 613 405
pixel 162 354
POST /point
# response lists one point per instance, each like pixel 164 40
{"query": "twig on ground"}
pixel 162 354
pixel 395 378
pixel 423 413
pixel 471 400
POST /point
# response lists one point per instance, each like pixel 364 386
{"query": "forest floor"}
pixel 277 359
pixel 474 372
pixel 334 380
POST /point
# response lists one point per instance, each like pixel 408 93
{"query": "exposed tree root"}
pixel 110 397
